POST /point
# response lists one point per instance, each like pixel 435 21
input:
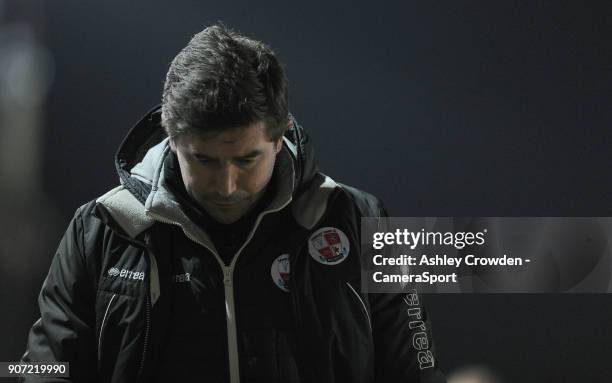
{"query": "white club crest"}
pixel 280 272
pixel 328 246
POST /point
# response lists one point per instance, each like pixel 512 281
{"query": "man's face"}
pixel 226 172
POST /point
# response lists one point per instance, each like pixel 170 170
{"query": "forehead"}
pixel 233 142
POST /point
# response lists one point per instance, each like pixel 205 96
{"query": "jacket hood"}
pixel 140 153
pixel 143 198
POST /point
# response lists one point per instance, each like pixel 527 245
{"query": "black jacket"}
pixel 134 277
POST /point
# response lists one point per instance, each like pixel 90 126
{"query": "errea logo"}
pixel 126 274
pixel 113 272
pixel 181 278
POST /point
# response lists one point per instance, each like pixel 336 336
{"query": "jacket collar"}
pixel 137 159
pixel 144 197
pixel 161 205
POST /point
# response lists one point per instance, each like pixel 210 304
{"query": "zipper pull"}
pixel 227 278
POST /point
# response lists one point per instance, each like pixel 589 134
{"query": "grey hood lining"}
pixel 162 204
pixel 126 210
pixel 145 170
pixel 134 217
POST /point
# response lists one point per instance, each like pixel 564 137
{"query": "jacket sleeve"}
pixel 404 349
pixel 65 331
pixel 403 343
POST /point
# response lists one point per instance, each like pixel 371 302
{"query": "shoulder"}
pixel 367 204
pixel 325 195
pixel 117 210
pixel 108 225
pixel 122 211
pixel 114 216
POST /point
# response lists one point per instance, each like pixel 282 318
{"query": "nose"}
pixel 226 181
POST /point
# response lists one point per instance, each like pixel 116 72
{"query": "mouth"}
pixel 225 204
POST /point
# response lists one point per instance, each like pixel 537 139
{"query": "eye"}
pixel 205 160
pixel 245 161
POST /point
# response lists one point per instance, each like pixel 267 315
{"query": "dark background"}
pixel 441 108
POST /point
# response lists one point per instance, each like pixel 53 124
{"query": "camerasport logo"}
pixel 126 274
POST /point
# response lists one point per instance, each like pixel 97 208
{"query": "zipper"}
pixel 102 327
pixel 232 336
pixel 146 338
pixel 363 305
pixel 232 341
pixel 153 277
pixel 228 286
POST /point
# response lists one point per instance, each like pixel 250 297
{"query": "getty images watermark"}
pixel 487 254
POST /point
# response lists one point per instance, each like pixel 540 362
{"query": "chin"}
pixel 225 215
pixel 226 218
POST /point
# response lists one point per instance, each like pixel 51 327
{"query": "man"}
pixel 224 256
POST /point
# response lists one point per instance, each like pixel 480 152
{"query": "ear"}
pixel 278 145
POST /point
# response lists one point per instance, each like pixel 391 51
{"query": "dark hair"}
pixel 222 80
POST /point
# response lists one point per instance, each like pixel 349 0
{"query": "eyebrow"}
pixel 251 154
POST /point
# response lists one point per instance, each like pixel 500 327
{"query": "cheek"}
pixel 259 177
pixel 194 177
